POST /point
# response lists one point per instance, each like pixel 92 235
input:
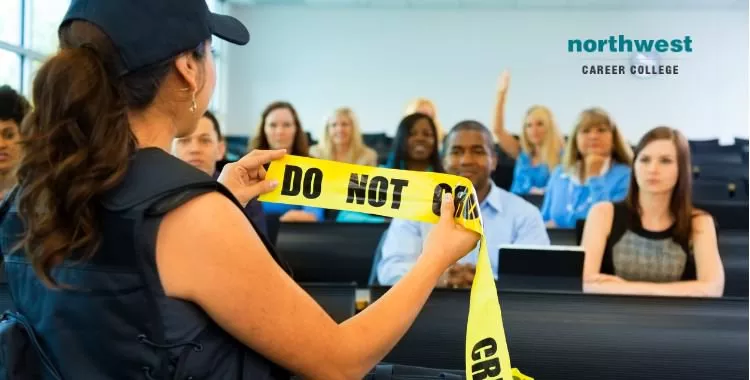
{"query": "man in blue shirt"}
pixel 508 219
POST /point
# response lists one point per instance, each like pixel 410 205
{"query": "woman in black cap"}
pixel 131 264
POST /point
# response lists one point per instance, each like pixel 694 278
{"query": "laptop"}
pixel 547 268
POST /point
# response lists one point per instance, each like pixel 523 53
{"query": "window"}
pixel 29 72
pixel 10 22
pixel 28 34
pixel 218 46
pixel 42 20
pixel 10 69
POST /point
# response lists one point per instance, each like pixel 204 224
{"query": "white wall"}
pixel 375 60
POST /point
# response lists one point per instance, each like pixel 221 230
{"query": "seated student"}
pixel 202 149
pixel 342 141
pixel 13 108
pixel 539 148
pixel 415 147
pixel 654 243
pixel 280 128
pixel 508 218
pixel 426 107
pixel 595 168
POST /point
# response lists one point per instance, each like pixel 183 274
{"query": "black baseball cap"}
pixel 147 32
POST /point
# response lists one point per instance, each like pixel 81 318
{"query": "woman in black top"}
pixel 129 78
pixel 654 242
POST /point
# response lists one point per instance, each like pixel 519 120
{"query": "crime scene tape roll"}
pixel 414 196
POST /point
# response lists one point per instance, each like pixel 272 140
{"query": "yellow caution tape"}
pixel 414 196
pixel 517 375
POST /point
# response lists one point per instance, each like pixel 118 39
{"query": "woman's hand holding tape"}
pixel 448 239
pixel 246 178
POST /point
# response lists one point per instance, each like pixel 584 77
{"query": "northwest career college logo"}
pixel 643 56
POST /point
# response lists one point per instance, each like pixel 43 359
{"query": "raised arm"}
pixel 507 142
pixel 207 254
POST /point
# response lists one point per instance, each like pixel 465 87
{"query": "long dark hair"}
pixel 301 145
pixel 399 152
pixel 77 143
pixel 680 204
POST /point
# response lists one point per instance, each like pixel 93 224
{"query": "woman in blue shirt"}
pixel 415 147
pixel 280 128
pixel 595 168
pixel 539 148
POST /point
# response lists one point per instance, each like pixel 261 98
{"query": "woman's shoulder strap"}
pixel 154 174
pixel 620 217
pixel 157 183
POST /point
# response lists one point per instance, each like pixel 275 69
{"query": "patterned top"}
pixel 635 254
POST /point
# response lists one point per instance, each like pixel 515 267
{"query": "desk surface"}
pixel 591 337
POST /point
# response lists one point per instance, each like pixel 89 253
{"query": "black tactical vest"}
pixel 116 322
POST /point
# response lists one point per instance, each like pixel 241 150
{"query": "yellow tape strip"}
pixel 415 196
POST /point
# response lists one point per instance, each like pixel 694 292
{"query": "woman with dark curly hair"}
pixel 13 108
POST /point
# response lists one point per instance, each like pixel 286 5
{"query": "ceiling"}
pixel 507 4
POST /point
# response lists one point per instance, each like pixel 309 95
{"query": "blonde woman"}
pixel 427 107
pixel 595 168
pixel 342 140
pixel 539 148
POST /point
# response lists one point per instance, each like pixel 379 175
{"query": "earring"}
pixel 193 106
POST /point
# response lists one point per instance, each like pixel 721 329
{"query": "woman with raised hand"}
pixel 654 243
pixel 540 147
pixel 595 168
pixel 129 263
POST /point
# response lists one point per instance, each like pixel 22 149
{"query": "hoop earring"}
pixel 193 106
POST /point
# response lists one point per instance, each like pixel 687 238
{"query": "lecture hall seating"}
pixel 329 251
